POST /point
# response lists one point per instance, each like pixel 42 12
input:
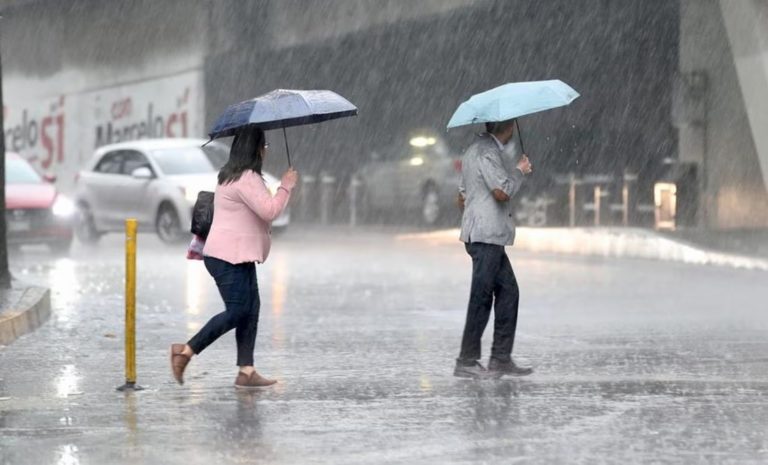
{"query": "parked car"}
pixel 155 181
pixel 35 212
pixel 420 176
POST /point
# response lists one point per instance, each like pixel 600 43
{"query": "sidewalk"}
pixel 613 242
pixel 23 308
pixel 752 243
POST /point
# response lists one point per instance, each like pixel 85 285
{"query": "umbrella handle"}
pixel 287 151
pixel 520 136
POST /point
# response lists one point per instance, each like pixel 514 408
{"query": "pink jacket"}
pixel 242 215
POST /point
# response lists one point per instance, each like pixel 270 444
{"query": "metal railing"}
pixel 588 200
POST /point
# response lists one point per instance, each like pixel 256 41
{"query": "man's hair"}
pixel 496 127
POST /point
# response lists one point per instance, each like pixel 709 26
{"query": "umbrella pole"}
pixel 288 152
pixel 520 136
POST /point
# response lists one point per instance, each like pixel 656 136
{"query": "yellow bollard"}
pixel 131 225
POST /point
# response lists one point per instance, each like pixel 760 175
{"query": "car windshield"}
pixel 18 171
pixel 182 160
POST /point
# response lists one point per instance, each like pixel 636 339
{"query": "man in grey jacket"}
pixel 489 180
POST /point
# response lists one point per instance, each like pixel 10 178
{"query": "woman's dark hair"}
pixel 245 154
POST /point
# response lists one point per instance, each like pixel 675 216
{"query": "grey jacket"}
pixel 485 168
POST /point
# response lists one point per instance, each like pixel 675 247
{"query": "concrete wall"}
pixel 411 71
pixel 747 26
pixel 259 25
pixel 407 64
pixel 298 22
pixel 91 43
pixel 77 75
pixel 80 74
pixel 722 144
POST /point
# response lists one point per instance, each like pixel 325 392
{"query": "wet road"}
pixel 636 362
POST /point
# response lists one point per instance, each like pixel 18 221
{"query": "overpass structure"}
pixel 83 73
pixel 722 108
pixel 746 23
pixel 87 72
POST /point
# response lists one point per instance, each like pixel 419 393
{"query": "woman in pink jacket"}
pixel 239 238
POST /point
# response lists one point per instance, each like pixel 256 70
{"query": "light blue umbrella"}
pixel 512 101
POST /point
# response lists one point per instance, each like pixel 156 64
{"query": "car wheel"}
pixel 431 210
pixel 85 227
pixel 168 225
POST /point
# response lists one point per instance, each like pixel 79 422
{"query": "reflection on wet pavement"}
pixel 636 362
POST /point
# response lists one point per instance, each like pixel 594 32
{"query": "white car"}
pixel 155 181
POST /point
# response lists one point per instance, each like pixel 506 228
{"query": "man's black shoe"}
pixel 476 371
pixel 507 368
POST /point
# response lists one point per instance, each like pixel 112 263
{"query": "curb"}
pixel 29 313
pixel 609 242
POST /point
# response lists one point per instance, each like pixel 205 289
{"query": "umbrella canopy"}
pixel 282 108
pixel 513 100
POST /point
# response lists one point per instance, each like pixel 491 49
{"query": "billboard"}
pixel 58 134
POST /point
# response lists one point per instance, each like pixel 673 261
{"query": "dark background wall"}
pixel 621 55
pixel 405 69
pixel 43 37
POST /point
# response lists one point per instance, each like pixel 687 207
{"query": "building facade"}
pixel 78 75
pixel 83 73
pixel 722 111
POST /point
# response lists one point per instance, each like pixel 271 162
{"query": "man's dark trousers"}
pixel 492 277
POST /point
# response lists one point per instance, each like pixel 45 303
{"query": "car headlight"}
pixel 63 207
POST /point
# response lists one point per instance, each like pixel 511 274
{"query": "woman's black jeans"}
pixel 240 292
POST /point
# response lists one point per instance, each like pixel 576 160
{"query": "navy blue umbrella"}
pixel 282 108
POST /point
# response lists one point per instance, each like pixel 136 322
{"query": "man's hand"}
pixel 460 202
pixel 500 195
pixel 524 165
